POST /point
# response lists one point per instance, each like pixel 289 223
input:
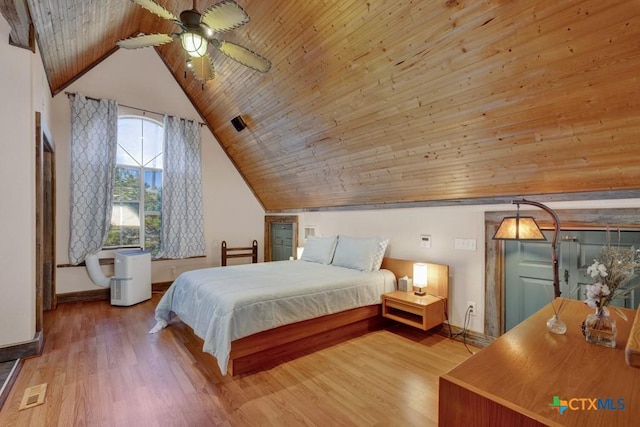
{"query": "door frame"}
pixel 278 219
pixel 596 219
pixel 45 227
pixel 44 157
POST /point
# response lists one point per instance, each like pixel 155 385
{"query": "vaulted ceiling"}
pixel 394 102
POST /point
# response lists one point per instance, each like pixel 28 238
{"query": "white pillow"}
pixel 356 253
pixel 319 249
pixel 379 254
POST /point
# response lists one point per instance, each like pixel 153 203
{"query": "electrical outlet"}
pixel 471 304
pixel 173 271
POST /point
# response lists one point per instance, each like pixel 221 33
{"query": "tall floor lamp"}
pixel 526 228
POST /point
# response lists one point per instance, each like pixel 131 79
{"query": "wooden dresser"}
pixel 515 380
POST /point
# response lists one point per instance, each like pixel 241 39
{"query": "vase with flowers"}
pixel 611 274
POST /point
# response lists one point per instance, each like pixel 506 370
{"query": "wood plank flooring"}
pixel 104 369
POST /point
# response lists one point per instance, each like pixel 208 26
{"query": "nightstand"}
pixel 423 312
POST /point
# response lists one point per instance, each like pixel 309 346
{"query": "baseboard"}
pixel 5 387
pixel 22 349
pixel 102 294
pixel 160 286
pixel 83 296
pixel 476 339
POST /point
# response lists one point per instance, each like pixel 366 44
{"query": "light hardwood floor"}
pixel 104 369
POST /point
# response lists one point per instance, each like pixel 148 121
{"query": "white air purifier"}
pixel 131 282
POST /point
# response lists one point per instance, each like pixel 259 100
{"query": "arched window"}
pixel 137 198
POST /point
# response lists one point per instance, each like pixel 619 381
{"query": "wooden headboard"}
pixel 438 276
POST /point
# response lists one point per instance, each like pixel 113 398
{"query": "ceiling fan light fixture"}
pixel 194 44
pixel 196 35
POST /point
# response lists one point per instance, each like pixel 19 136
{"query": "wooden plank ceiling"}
pixel 382 102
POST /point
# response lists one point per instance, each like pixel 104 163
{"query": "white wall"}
pixel 140 79
pixel 21 87
pixel 444 224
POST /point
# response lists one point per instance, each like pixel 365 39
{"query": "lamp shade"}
pixel 194 44
pixel 420 273
pixel 518 228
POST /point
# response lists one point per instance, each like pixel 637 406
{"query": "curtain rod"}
pixel 70 94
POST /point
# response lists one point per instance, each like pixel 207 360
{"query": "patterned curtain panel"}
pixel 94 134
pixel 182 219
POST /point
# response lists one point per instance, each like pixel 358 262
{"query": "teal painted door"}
pixel 528 279
pixel 281 242
pixel 585 246
pixel 529 271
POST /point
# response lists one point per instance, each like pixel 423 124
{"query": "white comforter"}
pixel 223 304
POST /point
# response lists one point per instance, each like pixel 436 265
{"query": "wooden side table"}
pixel 423 312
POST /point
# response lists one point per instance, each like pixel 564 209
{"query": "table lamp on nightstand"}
pixel 420 272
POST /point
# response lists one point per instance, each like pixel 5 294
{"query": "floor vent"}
pixel 33 396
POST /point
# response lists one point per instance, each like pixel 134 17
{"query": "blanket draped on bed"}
pixel 223 304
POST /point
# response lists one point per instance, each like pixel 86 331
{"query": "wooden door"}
pixel 45 222
pixel 49 231
pixel 528 279
pixel 285 249
pixel 582 247
pixel 529 272
pixel 281 242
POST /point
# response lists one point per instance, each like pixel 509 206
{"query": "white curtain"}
pixel 94 133
pixel 182 219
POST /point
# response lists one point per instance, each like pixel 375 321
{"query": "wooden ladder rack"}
pixel 246 252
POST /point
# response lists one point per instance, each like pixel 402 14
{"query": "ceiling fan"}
pixel 197 34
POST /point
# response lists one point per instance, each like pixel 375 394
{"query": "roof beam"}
pixel 16 12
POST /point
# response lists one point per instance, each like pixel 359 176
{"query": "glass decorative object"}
pixel 556 326
pixel 600 328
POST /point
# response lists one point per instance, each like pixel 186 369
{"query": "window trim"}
pixel 107 250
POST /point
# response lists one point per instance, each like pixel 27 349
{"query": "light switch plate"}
pixel 465 244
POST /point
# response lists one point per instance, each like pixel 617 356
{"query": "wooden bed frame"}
pixel 270 348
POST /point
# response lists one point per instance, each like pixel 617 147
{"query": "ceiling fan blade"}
pixel 154 7
pixel 145 41
pixel 244 56
pixel 224 16
pixel 202 68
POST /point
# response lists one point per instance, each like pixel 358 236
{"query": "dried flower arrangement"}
pixel 612 274
pixel 614 269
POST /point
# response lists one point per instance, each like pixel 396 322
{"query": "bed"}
pixel 250 315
